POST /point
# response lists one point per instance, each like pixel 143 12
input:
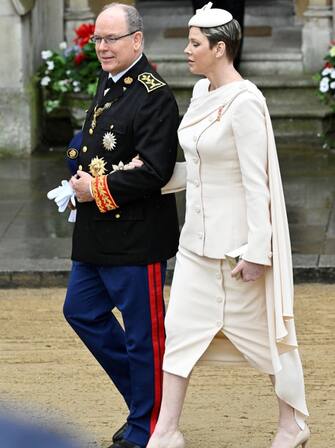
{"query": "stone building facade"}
pixel 29 26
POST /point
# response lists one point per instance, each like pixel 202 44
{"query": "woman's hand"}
pixel 249 271
pixel 136 162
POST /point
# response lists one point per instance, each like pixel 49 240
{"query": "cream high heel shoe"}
pixel 302 438
pixel 174 440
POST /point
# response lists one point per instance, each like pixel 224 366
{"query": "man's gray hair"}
pixel 133 17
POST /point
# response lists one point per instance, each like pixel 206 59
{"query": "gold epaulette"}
pixel 150 82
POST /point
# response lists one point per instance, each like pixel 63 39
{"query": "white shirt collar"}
pixel 118 76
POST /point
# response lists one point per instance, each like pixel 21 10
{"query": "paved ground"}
pixel 44 367
pixel 35 240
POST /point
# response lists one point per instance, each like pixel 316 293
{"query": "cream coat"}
pixel 234 196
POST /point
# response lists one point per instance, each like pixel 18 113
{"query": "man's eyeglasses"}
pixel 109 40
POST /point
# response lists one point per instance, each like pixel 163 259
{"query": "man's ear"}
pixel 138 40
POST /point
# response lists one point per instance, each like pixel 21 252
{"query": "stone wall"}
pixel 22 37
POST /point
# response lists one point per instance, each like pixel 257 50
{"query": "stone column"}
pixel 76 12
pixel 317 33
pixel 26 28
pixel 300 7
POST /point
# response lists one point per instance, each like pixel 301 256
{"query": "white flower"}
pixel 76 89
pixel 45 81
pixel 46 54
pixel 332 85
pixel 324 85
pixel 76 83
pixel 51 65
pixel 326 71
pixel 63 85
pixel 68 72
pixel 332 74
pixel 63 45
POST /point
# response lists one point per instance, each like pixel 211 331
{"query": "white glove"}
pixel 62 195
pixel 72 216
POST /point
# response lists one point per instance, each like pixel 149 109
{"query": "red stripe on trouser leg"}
pixel 158 335
pixel 160 309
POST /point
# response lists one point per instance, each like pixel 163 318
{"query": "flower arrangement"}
pixel 326 78
pixel 73 69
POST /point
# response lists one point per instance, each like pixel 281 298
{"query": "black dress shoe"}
pixel 124 444
pixel 120 433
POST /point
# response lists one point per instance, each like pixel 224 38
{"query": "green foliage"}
pixel 73 69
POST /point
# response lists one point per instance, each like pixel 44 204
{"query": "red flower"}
pixel 79 58
pixel 84 33
pixel 328 65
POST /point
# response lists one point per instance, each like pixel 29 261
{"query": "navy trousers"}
pixel 132 356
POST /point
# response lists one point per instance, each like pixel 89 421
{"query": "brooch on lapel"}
pixel 109 141
pixel 97 167
pixel 220 112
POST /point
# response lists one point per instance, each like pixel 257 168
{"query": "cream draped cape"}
pixel 279 278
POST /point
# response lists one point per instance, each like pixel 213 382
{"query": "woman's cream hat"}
pixel 207 17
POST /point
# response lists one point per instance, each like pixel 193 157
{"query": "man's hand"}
pixel 81 185
pixel 249 271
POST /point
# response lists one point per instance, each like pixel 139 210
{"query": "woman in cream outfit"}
pixel 234 202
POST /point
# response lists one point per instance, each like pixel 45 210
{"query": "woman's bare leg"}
pixel 287 426
pixel 166 434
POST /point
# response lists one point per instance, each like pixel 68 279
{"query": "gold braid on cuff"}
pixel 102 195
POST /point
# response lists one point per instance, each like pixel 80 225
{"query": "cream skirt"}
pixel 214 317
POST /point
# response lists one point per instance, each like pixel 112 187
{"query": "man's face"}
pixel 120 54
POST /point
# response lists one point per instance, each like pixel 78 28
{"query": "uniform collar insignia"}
pixel 150 82
pixel 128 80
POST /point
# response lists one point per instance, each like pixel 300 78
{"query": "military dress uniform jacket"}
pixel 130 222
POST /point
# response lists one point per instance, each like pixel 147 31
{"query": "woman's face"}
pixel 201 57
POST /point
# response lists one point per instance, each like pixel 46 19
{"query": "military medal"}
pixel 72 153
pixel 129 80
pixel 97 112
pixel 109 141
pixel 97 167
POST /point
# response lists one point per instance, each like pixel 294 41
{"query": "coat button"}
pixel 200 236
pixel 197 209
pixel 84 148
pixel 219 299
pixel 196 183
pixel 117 216
pixel 80 167
pixel 196 160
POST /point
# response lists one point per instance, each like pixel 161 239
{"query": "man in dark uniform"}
pixel 125 229
pixel 236 9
